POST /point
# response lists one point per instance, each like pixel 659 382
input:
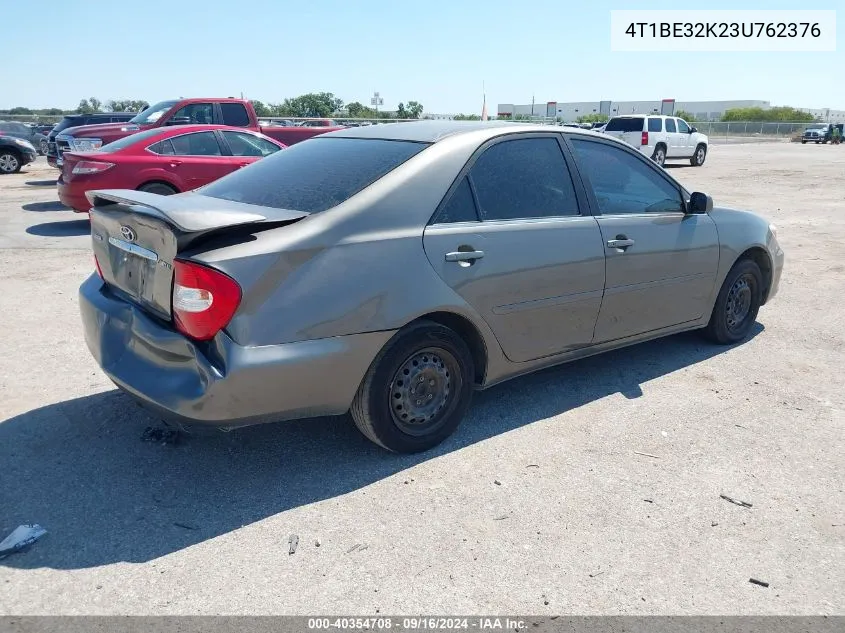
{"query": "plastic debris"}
pixel 22 537
pixel 293 541
pixel 736 502
pixel 754 581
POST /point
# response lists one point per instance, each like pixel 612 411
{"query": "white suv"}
pixel 660 137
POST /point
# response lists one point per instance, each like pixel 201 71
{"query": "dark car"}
pixel 15 153
pixel 19 130
pixel 73 120
pixel 43 128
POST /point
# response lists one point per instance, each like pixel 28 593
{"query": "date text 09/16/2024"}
pixel 418 623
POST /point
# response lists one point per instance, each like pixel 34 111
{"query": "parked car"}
pixel 821 132
pixel 43 128
pixel 25 132
pixel 660 137
pixel 15 153
pixel 74 120
pixel 232 112
pixel 320 123
pixel 162 161
pixel 282 290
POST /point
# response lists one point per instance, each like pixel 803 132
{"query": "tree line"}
pixel 326 104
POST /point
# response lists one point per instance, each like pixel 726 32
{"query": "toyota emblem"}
pixel 127 233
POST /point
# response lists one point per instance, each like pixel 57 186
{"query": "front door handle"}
pixel 620 243
pixel 464 256
pixel 175 163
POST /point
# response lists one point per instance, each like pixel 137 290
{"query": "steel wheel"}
pixel 43 146
pixel 659 156
pixel 420 391
pixel 9 163
pixel 700 155
pixel 738 304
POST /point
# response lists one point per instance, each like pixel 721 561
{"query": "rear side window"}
pixel 196 144
pixel 655 124
pixel 670 125
pixel 314 175
pixel 234 114
pixel 523 178
pixel 625 124
pixel 246 144
pixel 460 207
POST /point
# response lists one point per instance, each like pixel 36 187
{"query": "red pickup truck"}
pixel 234 112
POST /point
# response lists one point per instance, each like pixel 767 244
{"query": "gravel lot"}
pixel 539 504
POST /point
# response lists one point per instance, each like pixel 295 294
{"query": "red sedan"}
pixel 161 160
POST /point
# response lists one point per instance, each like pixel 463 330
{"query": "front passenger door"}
pixel 661 261
pixel 685 148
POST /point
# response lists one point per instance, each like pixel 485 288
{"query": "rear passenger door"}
pixel 514 239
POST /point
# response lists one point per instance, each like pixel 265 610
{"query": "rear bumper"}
pixel 221 383
pixel 76 200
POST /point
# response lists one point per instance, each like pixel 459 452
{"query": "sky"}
pixel 437 52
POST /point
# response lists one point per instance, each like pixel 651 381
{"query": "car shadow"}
pixel 52 205
pixel 67 228
pixel 42 183
pixel 80 469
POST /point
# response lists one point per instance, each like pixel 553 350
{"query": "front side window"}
pixel 196 144
pixel 234 114
pixel 243 144
pixel 196 113
pixel 670 125
pixel 523 178
pixel 623 183
pixel 682 126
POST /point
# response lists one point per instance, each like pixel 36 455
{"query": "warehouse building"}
pixel 701 110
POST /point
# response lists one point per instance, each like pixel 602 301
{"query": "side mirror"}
pixel 693 130
pixel 179 120
pixel 700 203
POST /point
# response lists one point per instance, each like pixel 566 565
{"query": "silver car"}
pixel 391 270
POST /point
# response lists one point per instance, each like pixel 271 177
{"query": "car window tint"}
pixel 234 114
pixel 243 144
pixel 655 124
pixel 623 183
pixel 523 178
pixel 460 207
pixel 682 126
pixel 314 175
pixel 625 124
pixel 670 125
pixel 197 113
pixel 196 144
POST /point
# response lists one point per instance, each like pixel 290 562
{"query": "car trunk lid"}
pixel 136 237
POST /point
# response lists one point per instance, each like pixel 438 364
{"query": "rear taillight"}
pixel 644 139
pixel 204 300
pixel 91 167
pixel 99 270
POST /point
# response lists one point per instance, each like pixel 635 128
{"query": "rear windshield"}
pixel 625 124
pixel 314 175
pixel 126 141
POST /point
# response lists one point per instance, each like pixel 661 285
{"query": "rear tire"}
pixel 700 155
pixel 42 147
pixel 659 155
pixel 10 162
pixel 417 389
pixel 158 187
pixel 736 307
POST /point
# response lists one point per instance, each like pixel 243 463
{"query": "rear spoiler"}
pixel 191 212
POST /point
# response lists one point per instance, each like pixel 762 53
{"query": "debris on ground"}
pixel 713 524
pixel 501 518
pixel 497 482
pixel 160 434
pixel 754 581
pixel 353 548
pixel 21 538
pixel 646 454
pixel 533 466
pixel 736 502
pixel 187 526
pixel 293 541
pixel 598 573
pixel 317 543
pixel 649 500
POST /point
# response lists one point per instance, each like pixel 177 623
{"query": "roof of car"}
pixel 433 131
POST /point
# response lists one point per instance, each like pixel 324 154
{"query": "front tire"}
pixel 417 389
pixel 43 147
pixel 700 156
pixel 10 162
pixel 659 155
pixel 737 305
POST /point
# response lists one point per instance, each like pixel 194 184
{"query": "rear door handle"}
pixel 464 256
pixel 619 243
